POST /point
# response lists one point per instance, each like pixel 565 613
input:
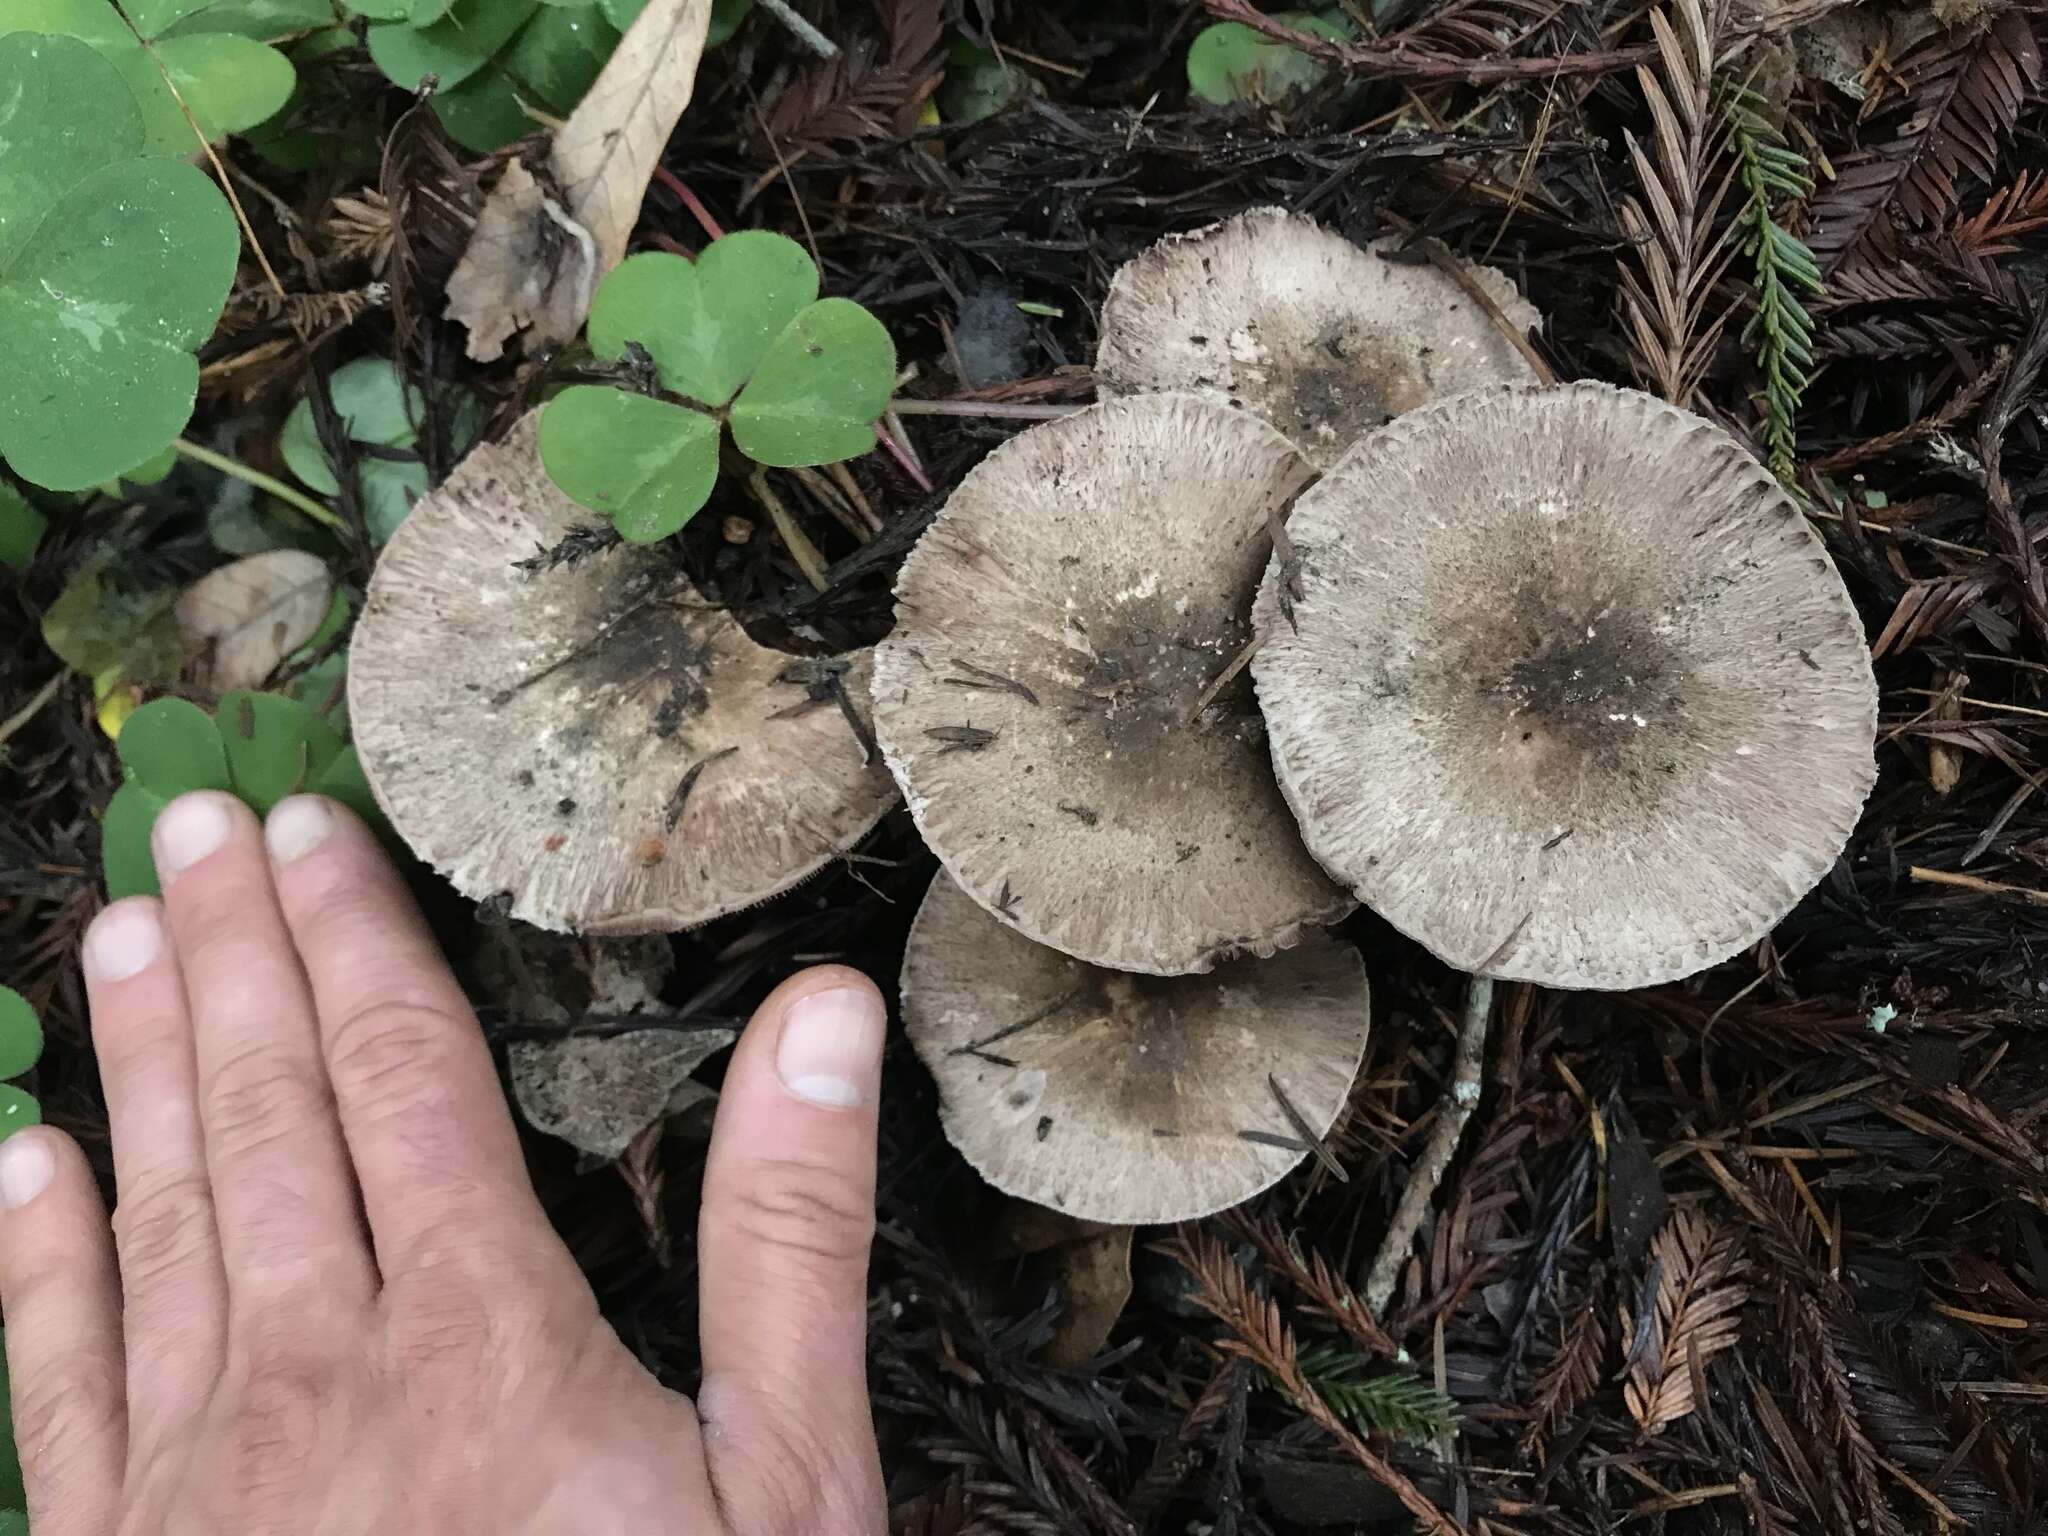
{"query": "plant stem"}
pixel 802 30
pixel 808 560
pixel 261 481
pixel 885 433
pixel 1443 1142
pixel 689 200
pixel 1009 410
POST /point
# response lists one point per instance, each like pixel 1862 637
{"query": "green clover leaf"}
pixel 260 748
pixel 1229 62
pixel 646 464
pixel 112 271
pixel 381 411
pixel 740 332
pixel 229 79
pixel 21 528
pixel 819 391
pixel 452 46
pixel 21 1034
pixel 707 324
pixel 170 746
pixel 276 746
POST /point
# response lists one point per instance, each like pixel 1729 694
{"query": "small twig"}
pixel 800 29
pixel 261 481
pixel 1976 883
pixel 32 708
pixel 1442 257
pixel 1005 410
pixel 1443 1142
pixel 1222 679
pixel 805 553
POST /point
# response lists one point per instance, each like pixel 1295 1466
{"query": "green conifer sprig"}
pixel 1385 1403
pixel 1779 330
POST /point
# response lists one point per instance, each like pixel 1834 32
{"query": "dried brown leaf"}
pixel 529 267
pixel 605 153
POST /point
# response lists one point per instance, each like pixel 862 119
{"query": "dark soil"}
pixel 1791 1214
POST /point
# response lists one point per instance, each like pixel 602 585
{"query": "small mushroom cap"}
pixel 593 741
pixel 1055 628
pixel 1130 1096
pixel 1573 694
pixel 1295 323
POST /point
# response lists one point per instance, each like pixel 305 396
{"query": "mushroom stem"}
pixel 1443 1142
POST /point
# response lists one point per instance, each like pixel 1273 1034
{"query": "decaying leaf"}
pixel 241 621
pixel 529 267
pixel 598 1093
pixel 1699 1271
pixel 604 154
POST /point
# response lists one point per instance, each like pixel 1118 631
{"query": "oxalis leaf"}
pixel 819 391
pixel 227 78
pixel 707 324
pixel 811 376
pixel 1229 62
pixel 21 1034
pixel 646 464
pixel 260 748
pixel 378 409
pixel 112 271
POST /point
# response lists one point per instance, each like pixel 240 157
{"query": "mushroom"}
pixel 590 744
pixel 1273 312
pixel 1123 1098
pixel 1571 692
pixel 1049 698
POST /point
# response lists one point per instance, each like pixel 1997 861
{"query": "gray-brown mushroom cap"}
pixel 591 742
pixel 1056 628
pixel 1125 1098
pixel 1572 694
pixel 1295 323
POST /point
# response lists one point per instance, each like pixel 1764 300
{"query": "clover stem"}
pixel 808 560
pixel 261 481
pixel 689 200
pixel 1456 1109
pixel 886 433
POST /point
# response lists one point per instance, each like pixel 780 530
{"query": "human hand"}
pixel 338 1307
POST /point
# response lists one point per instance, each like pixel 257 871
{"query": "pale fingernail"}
pixel 123 940
pixel 26 1168
pixel 298 826
pixel 830 1052
pixel 190 828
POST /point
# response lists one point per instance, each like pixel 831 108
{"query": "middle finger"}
pixel 290 1224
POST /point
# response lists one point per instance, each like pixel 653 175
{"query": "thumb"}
pixel 783 1236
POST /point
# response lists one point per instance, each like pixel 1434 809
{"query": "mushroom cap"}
pixel 1295 323
pixel 1573 694
pixel 592 741
pixel 1125 1099
pixel 1056 626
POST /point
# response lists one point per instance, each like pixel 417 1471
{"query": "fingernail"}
pixel 190 828
pixel 297 826
pixel 830 1052
pixel 123 940
pixel 26 1168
